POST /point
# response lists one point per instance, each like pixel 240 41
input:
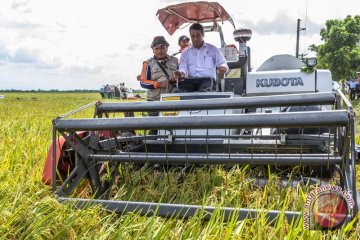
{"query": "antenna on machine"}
pixel 298 29
pixel 307 1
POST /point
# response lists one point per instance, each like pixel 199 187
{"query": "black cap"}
pixel 183 37
pixel 159 40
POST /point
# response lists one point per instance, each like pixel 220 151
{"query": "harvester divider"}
pixel 79 109
pixel 344 99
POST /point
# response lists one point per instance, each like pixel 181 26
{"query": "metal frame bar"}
pixel 181 211
pixel 223 159
pixel 350 172
pixel 221 103
pixel 250 120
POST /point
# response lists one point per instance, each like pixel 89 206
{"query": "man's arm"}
pixel 183 65
pixel 145 78
pixel 220 62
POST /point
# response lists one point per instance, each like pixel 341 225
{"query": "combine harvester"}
pixel 278 116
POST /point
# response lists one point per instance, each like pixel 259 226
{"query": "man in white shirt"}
pixel 200 60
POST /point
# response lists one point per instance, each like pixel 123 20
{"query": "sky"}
pixel 83 44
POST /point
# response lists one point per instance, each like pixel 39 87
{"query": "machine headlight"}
pixel 311 62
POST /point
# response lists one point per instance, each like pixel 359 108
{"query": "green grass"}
pixel 29 209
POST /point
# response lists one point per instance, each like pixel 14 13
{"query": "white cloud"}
pixel 84 69
pixel 24 55
pixel 21 5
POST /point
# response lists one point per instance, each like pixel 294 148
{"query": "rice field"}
pixel 29 209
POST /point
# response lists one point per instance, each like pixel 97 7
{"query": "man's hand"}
pixel 222 70
pixel 179 75
pixel 173 78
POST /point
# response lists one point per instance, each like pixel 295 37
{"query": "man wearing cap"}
pixel 157 73
pixel 183 42
pixel 201 59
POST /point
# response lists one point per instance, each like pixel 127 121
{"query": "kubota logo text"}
pixel 276 82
